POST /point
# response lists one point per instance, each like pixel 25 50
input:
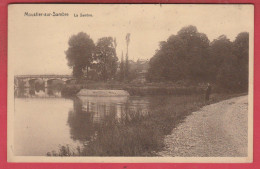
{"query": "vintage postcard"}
pixel 138 83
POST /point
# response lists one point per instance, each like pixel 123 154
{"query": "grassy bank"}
pixel 156 90
pixel 134 89
pixel 138 134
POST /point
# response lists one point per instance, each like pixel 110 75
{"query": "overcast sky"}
pixel 37 44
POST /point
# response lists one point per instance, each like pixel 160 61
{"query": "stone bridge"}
pixel 28 80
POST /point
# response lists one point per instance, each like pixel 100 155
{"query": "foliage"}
pixel 80 53
pixel 126 68
pixel 231 62
pixel 181 57
pixel 228 77
pixel 105 58
pixel 219 49
pixel 241 51
pixel 122 68
pixel 189 56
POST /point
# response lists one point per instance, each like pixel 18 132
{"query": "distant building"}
pixel 141 68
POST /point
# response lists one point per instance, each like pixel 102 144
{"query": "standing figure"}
pixel 208 91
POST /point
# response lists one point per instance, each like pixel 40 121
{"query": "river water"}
pixel 45 121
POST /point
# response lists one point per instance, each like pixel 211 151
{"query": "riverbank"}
pixel 216 130
pixel 139 134
pixel 138 89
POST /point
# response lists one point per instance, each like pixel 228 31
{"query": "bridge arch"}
pixel 50 81
pixel 69 81
pixel 21 83
pixel 31 82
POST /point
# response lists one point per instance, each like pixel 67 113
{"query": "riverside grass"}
pixel 133 89
pixel 138 134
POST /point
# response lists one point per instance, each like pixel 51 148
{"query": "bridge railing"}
pixel 43 76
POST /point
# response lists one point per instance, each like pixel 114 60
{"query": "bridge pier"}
pixel 45 82
pixel 27 84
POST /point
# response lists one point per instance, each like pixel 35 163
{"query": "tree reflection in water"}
pixel 80 122
pixel 101 125
pixel 89 113
pixel 105 125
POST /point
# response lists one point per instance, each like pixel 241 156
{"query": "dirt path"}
pixel 217 130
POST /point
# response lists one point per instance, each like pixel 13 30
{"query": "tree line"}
pixel 190 56
pixel 95 61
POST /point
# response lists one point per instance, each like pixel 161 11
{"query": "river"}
pixel 45 121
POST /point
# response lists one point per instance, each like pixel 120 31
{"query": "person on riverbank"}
pixel 208 92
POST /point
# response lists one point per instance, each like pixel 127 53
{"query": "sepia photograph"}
pixel 130 83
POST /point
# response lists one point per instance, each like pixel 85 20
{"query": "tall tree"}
pixel 194 53
pixel 106 59
pixel 232 73
pixel 80 53
pixel 228 75
pixel 241 47
pixel 219 50
pixel 241 51
pixel 122 68
pixel 115 43
pixel 126 68
pixel 181 57
pixel 127 38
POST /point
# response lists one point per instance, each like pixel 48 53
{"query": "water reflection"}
pixel 37 92
pixel 80 122
pixel 104 106
pixel 89 112
pixel 45 123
